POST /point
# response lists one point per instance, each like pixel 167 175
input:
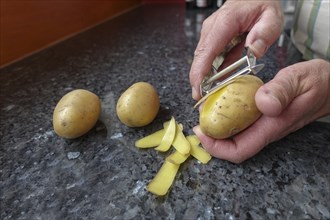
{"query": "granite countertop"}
pixel 102 175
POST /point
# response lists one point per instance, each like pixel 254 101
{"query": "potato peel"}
pixel 180 142
pixel 193 140
pixel 198 152
pixel 163 179
pixel 151 140
pixel 172 135
pixel 177 157
pixel 168 137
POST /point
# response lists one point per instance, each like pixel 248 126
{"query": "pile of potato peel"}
pixel 184 146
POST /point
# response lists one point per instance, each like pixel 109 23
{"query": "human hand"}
pixel 263 20
pixel 298 95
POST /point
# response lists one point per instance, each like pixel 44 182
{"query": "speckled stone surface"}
pixel 102 175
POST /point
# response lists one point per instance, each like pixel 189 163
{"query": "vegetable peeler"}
pixel 211 82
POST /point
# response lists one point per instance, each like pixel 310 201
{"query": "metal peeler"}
pixel 210 84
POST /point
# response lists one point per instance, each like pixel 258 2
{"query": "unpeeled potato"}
pixel 76 113
pixel 231 109
pixel 138 105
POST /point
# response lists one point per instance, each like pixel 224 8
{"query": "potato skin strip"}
pixel 193 140
pixel 163 179
pixel 198 152
pixel 180 142
pixel 168 137
pixel 184 146
pixel 151 140
pixel 177 157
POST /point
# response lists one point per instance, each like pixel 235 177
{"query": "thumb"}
pixel 265 31
pixel 273 97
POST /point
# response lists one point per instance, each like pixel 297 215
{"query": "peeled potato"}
pixel 138 105
pixel 231 109
pixel 76 113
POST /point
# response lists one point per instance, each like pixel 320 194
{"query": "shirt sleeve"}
pixel 311 29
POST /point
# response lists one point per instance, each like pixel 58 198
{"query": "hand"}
pixel 298 95
pixel 262 19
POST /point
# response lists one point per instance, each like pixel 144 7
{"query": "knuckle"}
pixel 206 23
pixel 200 51
pixel 237 159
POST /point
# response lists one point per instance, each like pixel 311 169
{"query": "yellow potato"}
pixel 138 105
pixel 76 113
pixel 231 109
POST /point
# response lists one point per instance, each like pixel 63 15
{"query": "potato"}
pixel 138 105
pixel 231 109
pixel 76 113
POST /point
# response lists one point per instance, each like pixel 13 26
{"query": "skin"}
pixel 138 105
pixel 76 113
pixel 298 94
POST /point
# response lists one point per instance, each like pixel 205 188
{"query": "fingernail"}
pixel 196 130
pixel 194 93
pixel 271 94
pixel 258 47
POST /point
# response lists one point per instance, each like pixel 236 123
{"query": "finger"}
pixel 206 26
pixel 234 55
pixel 223 26
pixel 265 32
pixel 301 96
pixel 210 45
pixel 273 97
pixel 242 146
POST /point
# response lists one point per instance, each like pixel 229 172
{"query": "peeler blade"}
pixel 210 85
pixel 257 68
